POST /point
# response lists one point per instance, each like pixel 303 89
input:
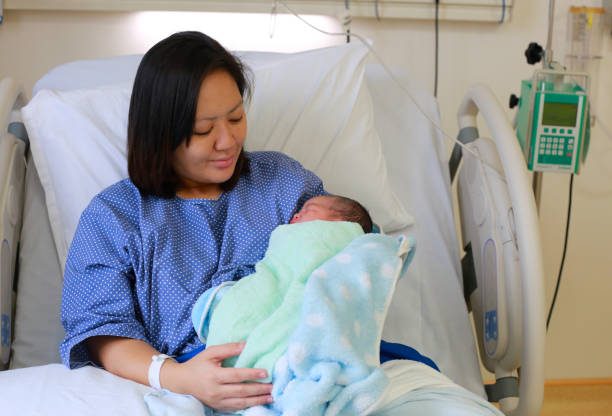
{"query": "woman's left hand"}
pixel 219 388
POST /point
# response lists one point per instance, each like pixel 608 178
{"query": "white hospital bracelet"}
pixel 154 369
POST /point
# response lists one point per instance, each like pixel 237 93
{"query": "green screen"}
pixel 559 114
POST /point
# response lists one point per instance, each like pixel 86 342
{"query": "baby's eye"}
pixel 237 119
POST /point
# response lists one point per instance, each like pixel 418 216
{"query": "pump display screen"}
pixel 559 114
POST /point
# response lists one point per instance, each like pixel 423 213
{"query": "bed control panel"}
pixel 490 328
pixel 487 225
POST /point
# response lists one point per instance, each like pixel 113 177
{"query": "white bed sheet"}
pixel 428 311
pixel 92 391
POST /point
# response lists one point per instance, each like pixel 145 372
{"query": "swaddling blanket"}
pixel 263 309
pixel 331 365
pixel 328 298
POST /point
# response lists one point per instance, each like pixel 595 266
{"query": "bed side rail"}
pixel 12 179
pixel 529 353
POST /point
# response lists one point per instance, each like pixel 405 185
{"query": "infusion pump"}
pixel 553 120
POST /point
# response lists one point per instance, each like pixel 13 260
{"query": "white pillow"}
pixel 314 106
pixel 78 142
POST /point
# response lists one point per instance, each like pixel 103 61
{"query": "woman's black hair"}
pixel 163 107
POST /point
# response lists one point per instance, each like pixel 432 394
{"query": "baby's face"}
pixel 317 208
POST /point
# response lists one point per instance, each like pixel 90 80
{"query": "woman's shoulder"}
pixel 273 163
pixel 113 212
pixel 119 199
pixel 123 191
pixel 277 171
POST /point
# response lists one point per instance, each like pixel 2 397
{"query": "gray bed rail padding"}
pixel 503 388
pixel 466 135
pixel 38 329
pixel 17 129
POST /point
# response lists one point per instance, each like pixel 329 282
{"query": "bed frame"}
pixel 501 237
pixel 12 169
pixel 503 272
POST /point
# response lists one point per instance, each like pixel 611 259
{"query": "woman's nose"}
pixel 225 138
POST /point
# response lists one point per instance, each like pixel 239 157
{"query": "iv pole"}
pixel 547 64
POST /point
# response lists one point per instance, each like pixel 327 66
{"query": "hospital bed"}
pixel 397 155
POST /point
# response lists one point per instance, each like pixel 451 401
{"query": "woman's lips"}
pixel 223 163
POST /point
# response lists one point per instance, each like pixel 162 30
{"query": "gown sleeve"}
pixel 98 295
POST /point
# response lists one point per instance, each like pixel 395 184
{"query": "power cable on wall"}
pixel 567 225
pixel 436 49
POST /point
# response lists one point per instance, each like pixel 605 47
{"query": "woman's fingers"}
pixel 238 375
pixel 223 351
pixel 243 402
pixel 241 390
pixel 225 388
pixel 239 395
pixel 233 375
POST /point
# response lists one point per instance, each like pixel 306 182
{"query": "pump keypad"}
pixel 556 149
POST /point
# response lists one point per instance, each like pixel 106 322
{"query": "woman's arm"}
pixel 126 357
pixel 202 376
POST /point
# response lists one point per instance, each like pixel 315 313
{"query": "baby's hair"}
pixel 353 211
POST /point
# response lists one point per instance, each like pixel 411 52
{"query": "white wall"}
pixel 579 340
pixel 33 42
pixel 578 344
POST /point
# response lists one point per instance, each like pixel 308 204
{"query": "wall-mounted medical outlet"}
pixel 455 10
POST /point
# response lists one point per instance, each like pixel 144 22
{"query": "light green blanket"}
pixel 263 309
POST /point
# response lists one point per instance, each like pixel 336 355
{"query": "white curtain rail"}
pixel 459 10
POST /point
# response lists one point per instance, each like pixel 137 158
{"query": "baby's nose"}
pixel 294 218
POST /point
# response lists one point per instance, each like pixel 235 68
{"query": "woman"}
pixel 196 211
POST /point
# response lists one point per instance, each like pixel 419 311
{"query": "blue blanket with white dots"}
pixel 331 365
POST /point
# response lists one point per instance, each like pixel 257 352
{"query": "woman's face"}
pixel 218 134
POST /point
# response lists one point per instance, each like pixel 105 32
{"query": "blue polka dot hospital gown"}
pixel 137 264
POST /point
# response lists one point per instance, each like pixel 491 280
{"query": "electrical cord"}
pixel 436 50
pixel 567 225
pixel 400 85
pixel 347 6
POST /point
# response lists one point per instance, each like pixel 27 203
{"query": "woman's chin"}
pixel 223 175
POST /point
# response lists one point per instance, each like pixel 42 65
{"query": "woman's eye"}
pixel 236 120
pixel 202 133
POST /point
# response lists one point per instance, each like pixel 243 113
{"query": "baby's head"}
pixel 334 208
